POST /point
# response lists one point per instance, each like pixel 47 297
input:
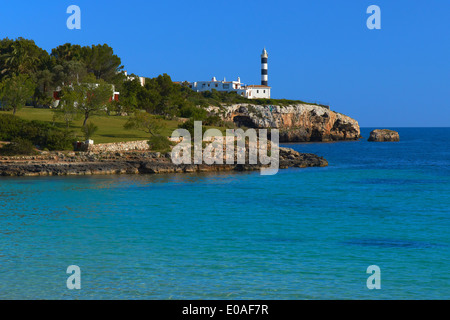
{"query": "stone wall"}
pixel 119 146
pixel 89 146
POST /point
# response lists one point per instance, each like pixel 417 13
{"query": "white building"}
pixel 219 85
pixel 141 79
pixel 258 92
pixel 261 91
pixel 248 91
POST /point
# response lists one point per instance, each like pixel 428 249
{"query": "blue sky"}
pixel 319 51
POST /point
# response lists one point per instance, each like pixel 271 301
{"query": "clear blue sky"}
pixel 318 50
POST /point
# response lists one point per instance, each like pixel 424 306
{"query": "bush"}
pixel 59 140
pixel 89 130
pixel 196 113
pixel 215 121
pixel 189 126
pixel 10 126
pixel 18 146
pixel 229 124
pixel 160 143
pixel 39 133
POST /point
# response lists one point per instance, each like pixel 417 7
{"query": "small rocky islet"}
pixel 384 135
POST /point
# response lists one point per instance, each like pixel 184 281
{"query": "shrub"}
pixel 10 126
pixel 160 143
pixel 89 130
pixel 18 146
pixel 39 133
pixel 196 113
pixel 213 121
pixel 59 140
pixel 189 126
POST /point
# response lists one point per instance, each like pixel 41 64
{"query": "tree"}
pixel 129 93
pixel 152 125
pixel 149 99
pixel 21 56
pixel 88 98
pixel 15 91
pixel 67 111
pixel 68 72
pixel 44 84
pixel 145 122
pixel 67 52
pixel 102 62
pixel 89 130
pixel 6 47
pixel 161 96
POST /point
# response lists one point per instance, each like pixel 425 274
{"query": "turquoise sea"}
pixel 301 234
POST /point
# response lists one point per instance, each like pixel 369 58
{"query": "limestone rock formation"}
pixel 381 135
pixel 133 162
pixel 297 123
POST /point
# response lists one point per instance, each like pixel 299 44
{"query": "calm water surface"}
pixel 301 234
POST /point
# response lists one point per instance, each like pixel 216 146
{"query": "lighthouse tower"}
pixel 264 74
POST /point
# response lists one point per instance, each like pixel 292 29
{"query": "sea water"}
pixel 300 234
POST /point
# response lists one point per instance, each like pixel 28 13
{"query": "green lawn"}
pixel 110 128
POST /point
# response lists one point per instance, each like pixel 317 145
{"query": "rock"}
pixel 100 164
pixel 297 123
pixel 382 135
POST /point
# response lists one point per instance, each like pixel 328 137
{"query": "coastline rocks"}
pixel 135 163
pixel 292 158
pixel 384 135
pixel 297 123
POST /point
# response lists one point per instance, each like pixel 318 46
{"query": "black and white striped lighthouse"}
pixel 264 74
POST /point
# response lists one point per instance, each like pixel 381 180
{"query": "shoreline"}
pixel 135 162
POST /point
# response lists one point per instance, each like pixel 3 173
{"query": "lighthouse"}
pixel 264 74
pixel 254 91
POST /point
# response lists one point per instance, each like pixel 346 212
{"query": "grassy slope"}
pixel 110 127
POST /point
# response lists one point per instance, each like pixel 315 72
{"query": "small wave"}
pixel 398 181
pixel 390 243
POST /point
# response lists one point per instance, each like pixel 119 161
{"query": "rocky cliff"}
pixel 297 123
